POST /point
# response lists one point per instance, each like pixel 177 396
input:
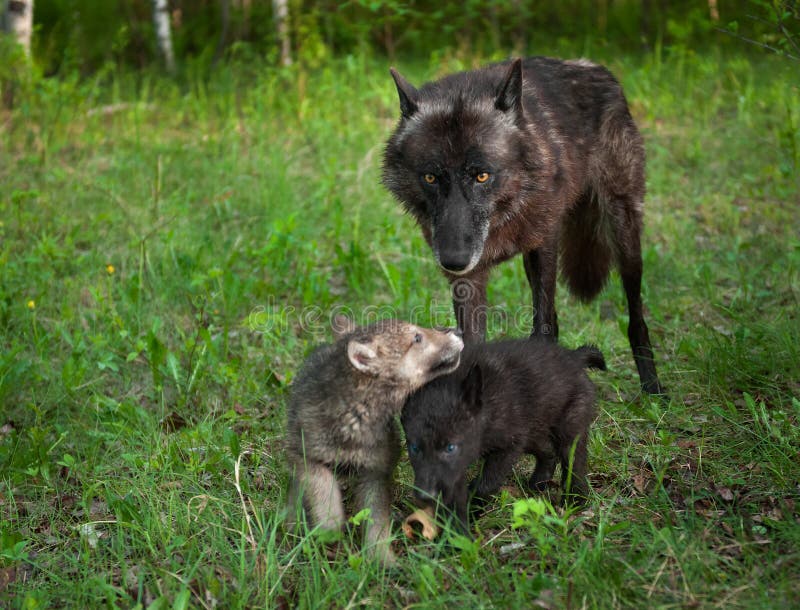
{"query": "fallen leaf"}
pixel 640 482
pixel 725 493
pixel 728 529
pixel 172 422
pixel 7 576
pixel 98 510
pixel 66 501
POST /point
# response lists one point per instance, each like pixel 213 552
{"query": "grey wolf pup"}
pixel 538 157
pixel 341 419
pixel 506 399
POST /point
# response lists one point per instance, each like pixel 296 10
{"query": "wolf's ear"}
pixel 342 325
pixel 472 389
pixel 408 95
pixel 509 94
pixel 362 357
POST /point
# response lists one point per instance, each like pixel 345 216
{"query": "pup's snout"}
pixel 424 497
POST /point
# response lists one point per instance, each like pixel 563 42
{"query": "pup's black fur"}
pixel 538 157
pixel 505 399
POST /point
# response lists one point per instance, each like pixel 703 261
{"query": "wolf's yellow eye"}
pixel 482 177
pixel 429 178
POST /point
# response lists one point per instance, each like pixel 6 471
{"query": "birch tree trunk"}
pixel 713 10
pixel 17 20
pixel 280 9
pixel 164 32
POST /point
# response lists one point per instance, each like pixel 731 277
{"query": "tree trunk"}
pixel 225 16
pixel 18 21
pixel 164 32
pixel 280 9
pixel 244 30
pixel 713 10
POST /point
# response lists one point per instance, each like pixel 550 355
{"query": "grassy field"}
pixel 169 253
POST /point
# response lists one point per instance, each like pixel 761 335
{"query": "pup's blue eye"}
pixel 450 448
pixel 413 449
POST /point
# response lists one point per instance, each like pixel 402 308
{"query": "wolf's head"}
pixel 400 353
pixel 443 433
pixel 457 158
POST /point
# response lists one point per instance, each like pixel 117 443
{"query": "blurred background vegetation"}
pixel 87 36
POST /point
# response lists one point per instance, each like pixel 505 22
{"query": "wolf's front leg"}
pixel 317 484
pixel 496 468
pixel 469 303
pixel 461 506
pixel 540 268
pixel 373 491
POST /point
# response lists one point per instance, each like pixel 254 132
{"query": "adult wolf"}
pixel 539 157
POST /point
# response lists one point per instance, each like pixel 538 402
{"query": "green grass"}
pixel 238 211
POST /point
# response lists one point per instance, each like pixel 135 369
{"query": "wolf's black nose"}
pixel 455 261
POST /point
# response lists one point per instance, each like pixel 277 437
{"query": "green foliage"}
pixel 97 37
pixel 546 527
pixel 771 24
pixel 170 250
pixel 16 72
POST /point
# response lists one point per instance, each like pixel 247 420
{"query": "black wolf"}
pixel 539 157
pixel 506 399
pixel 341 418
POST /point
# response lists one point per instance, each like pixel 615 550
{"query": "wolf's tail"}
pixel 591 357
pixel 586 254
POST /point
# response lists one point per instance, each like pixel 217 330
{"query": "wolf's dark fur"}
pixel 539 157
pixel 505 399
pixel 341 418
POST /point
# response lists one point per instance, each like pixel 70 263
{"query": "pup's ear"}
pixel 509 94
pixel 341 326
pixel 362 356
pixel 472 389
pixel 408 95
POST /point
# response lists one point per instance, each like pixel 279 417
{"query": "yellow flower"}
pixel 31 304
pixel 110 269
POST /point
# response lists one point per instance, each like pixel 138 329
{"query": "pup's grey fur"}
pixel 341 418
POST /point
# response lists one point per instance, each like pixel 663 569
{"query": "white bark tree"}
pixel 280 10
pixel 164 32
pixel 17 20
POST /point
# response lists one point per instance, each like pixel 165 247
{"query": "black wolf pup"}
pixel 506 399
pixel 538 157
pixel 341 418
